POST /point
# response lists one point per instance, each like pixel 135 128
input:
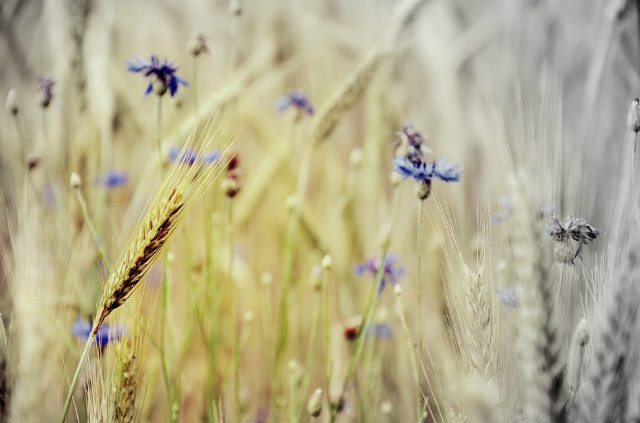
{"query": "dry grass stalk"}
pixel 531 342
pixel 603 397
pixel 347 94
pixel 186 181
pixel 357 82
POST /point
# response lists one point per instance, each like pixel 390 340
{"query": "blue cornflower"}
pixel 297 100
pixel 46 91
pixel 508 297
pixel 112 179
pixel 391 272
pixel 162 74
pixel 190 156
pixel 381 331
pixel 425 171
pixel 105 335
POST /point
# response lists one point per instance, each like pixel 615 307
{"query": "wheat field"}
pixel 322 211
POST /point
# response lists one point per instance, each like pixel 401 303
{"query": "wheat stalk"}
pixel 603 397
pixel 183 185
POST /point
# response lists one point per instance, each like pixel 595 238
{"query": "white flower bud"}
pixel 326 262
pixel 75 181
pixel 248 316
pixel 314 406
pixel 12 101
pixel 266 278
pixel 355 158
pixel 397 289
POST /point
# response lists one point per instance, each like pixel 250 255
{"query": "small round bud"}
pixel 326 262
pixel 423 190
pixel 386 408
pixel 230 187
pixel 171 257
pixel 197 44
pixel 355 158
pixel 12 101
pixel 266 278
pixel 395 178
pixel 397 290
pixel 75 181
pixel 314 406
pixel 633 118
pixel 248 316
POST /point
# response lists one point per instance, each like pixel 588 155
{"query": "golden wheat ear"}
pixel 193 171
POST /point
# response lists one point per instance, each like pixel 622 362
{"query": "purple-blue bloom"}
pixel 112 179
pixel 508 297
pixel 391 272
pixel 297 100
pixel 190 156
pixel 105 335
pixel 161 72
pixel 425 171
pixel 448 172
pixel 46 90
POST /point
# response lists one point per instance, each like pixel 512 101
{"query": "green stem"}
pixel 234 317
pixel 76 376
pixel 159 135
pixel 92 228
pixel 419 280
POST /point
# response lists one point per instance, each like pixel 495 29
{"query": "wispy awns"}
pixel 391 272
pixel 161 73
pixel 190 156
pixel 570 236
pixel 297 101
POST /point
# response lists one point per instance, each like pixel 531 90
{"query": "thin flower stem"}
pixel 419 296
pixel 195 87
pixel 311 353
pixel 159 135
pixel 412 358
pixel 92 228
pixel 369 310
pixel 328 368
pixel 234 317
pixel 288 262
pixel 76 376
